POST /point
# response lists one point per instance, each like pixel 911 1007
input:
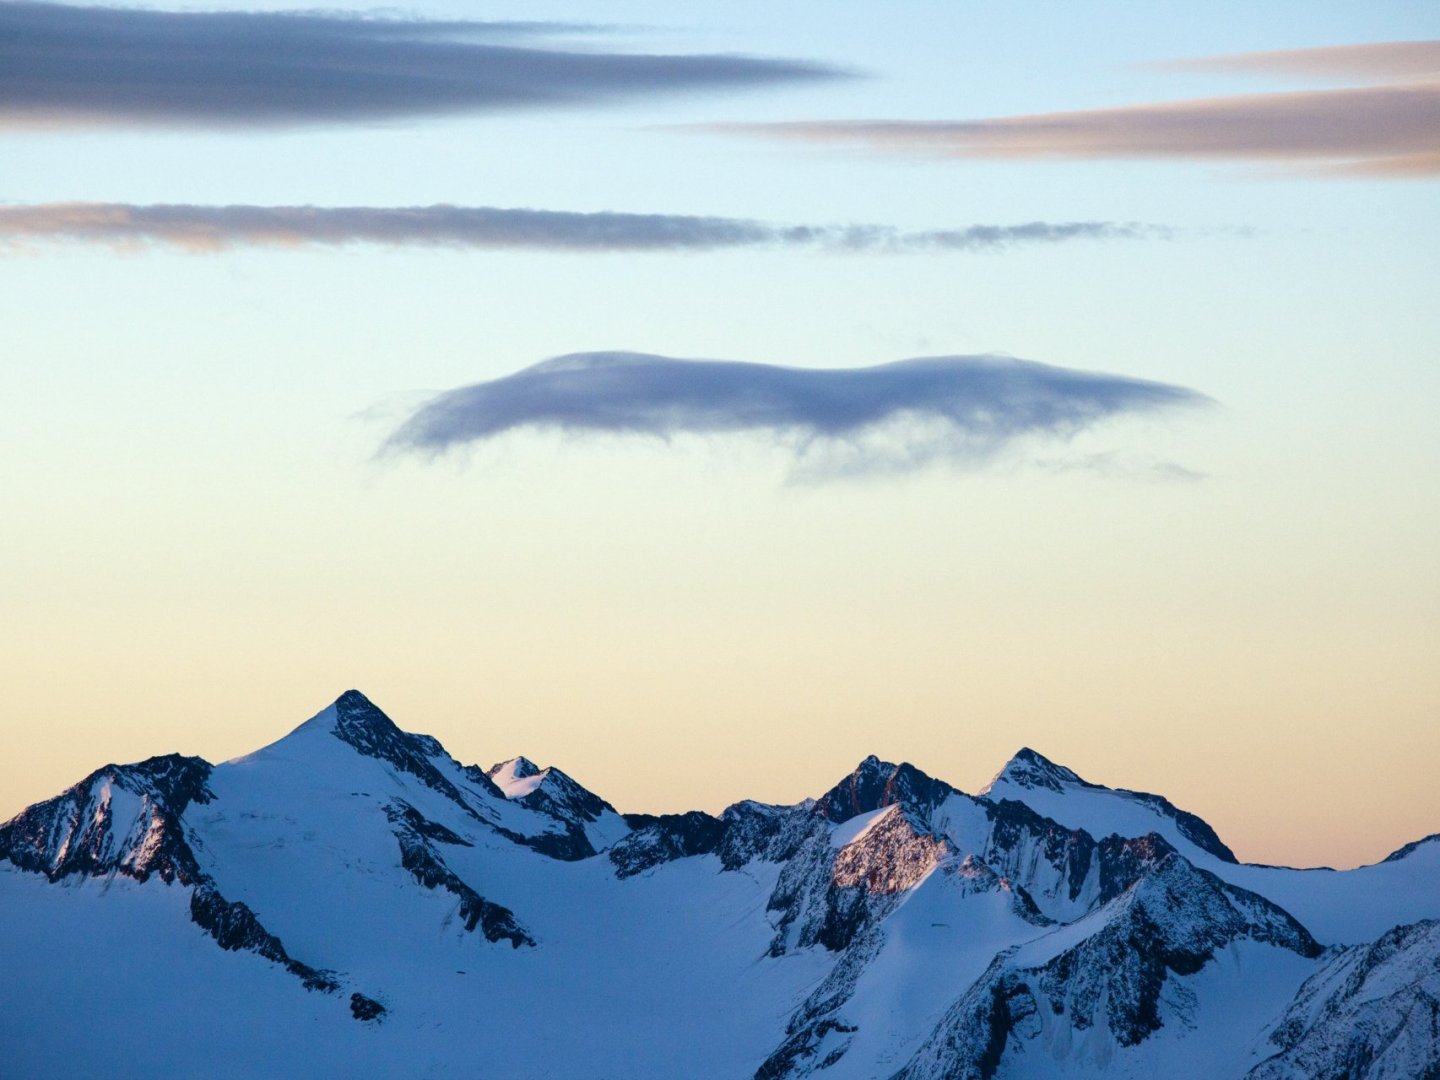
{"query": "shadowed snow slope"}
pixel 351 900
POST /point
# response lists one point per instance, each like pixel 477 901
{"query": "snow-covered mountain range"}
pixel 351 901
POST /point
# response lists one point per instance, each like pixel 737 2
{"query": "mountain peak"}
pixel 353 697
pixel 352 709
pixel 1030 769
pixel 875 784
pixel 517 777
pixel 361 724
pixel 518 767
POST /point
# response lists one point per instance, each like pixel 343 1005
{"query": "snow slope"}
pixel 1339 907
pixel 350 900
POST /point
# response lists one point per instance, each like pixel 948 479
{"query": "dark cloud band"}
pixel 212 228
pixel 63 64
pixel 899 415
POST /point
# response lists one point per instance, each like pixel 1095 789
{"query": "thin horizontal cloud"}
pixel 838 421
pixel 71 65
pixel 213 228
pixel 1380 61
pixel 1379 130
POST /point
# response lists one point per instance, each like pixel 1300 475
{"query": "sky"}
pixel 702 399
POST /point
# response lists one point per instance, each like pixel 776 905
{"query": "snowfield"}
pixel 351 901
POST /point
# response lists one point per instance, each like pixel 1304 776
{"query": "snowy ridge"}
pixel 122 819
pixel 1107 978
pixel 351 899
pixel 1029 775
pixel 126 820
pixel 590 822
pixel 1369 1011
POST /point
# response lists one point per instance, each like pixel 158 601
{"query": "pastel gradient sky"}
pixel 1166 509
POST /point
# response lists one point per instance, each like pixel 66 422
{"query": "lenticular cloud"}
pixel 966 409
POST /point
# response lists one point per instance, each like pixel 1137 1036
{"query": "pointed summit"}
pixel 357 718
pixel 518 767
pixel 361 724
pixel 517 777
pixel 1029 769
pixel 875 784
pixel 1035 780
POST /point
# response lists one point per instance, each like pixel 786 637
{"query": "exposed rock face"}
pixel 1057 865
pixel 1409 849
pixel 660 838
pixel 876 784
pixel 234 926
pixel 563 799
pixel 891 856
pixel 573 807
pixel 1370 1011
pixel 894 923
pixel 818 1034
pixel 1030 771
pixel 120 819
pixel 364 727
pixel 364 1008
pixel 127 820
pixel 1170 921
pixel 417 838
pixel 758 831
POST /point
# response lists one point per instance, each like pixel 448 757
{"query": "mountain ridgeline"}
pixel 350 900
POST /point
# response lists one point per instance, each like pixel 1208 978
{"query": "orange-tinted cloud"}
pixel 1378 130
pixel 1381 61
pixel 199 228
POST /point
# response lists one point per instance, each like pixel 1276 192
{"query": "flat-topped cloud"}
pixel 72 65
pixel 198 228
pixel 902 415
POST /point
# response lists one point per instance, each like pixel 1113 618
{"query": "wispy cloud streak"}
pixel 1379 130
pixel 213 228
pixel 898 416
pixel 1380 61
pixel 71 65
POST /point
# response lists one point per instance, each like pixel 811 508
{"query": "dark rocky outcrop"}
pixel 363 726
pixel 1370 1011
pixel 418 855
pixel 364 1008
pixel 1169 921
pixel 92 830
pixel 1030 771
pixel 876 784
pixel 234 926
pixel 660 838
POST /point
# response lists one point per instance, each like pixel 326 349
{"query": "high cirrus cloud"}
pixel 965 409
pixel 1379 61
pixel 1390 128
pixel 73 65
pixel 213 228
